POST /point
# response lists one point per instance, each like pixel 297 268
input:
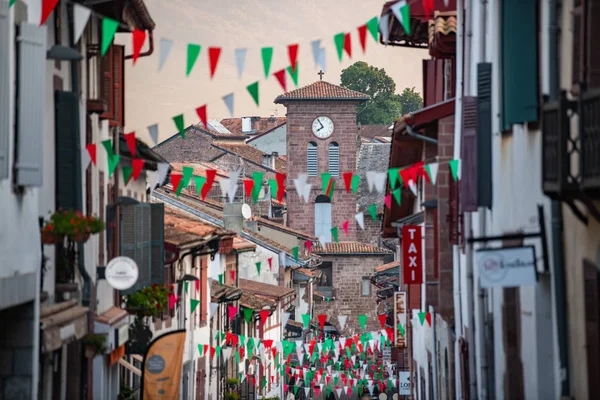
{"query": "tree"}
pixel 385 105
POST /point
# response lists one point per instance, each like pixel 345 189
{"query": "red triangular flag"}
pixel 213 59
pixel 428 318
pixel 345 226
pixel 322 319
pixel 131 142
pixel 348 45
pixel 91 149
pixel 347 180
pixel 137 164
pixel 197 285
pixel 382 319
pixel 248 186
pixel 268 343
pixel 138 37
pixel 427 7
pixel 388 201
pixel 270 260
pixel 47 7
pixel 280 178
pixel 280 75
pixel 293 53
pixel 201 111
pixel 232 274
pixel 308 245
pixel 362 35
pixel 212 352
pixel 264 314
pixel 175 179
pixel 210 179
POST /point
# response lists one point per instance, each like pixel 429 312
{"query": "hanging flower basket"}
pixel 71 224
pixel 49 237
pixel 151 301
pixel 81 237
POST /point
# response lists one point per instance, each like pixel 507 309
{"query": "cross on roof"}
pixel 321 73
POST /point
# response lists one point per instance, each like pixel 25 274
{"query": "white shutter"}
pixel 5 93
pixel 323 220
pixel 312 160
pixel 31 87
pixel 334 159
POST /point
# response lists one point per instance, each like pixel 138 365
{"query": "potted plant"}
pixel 70 224
pixel 150 301
pixel 95 344
pixel 125 392
pixel 232 392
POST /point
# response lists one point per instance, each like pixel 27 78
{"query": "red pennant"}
pixel 428 318
pixel 348 45
pixel 47 7
pixel 388 201
pixel 212 352
pixel 317 391
pixel 285 387
pixel 345 226
pixel 308 245
pixel 232 274
pixel 293 53
pixel 205 348
pixel 138 37
pixel 390 334
pixel 270 260
pixel 248 186
pixel 347 180
pixel 427 7
pixel 213 59
pixel 175 179
pixel 362 35
pixel 280 75
pixel 268 343
pixel 131 142
pixel 405 175
pixel 210 179
pixel 322 319
pixel 280 178
pixel 232 312
pixel 264 314
pixel 137 165
pixel 91 149
pixel 382 319
pixel 201 111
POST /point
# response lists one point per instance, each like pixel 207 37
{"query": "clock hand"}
pixel 319 121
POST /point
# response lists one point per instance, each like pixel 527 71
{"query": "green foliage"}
pixel 150 301
pixel 385 105
pixel 233 381
pixel 95 341
pixel 231 396
pixel 125 393
pixel 72 223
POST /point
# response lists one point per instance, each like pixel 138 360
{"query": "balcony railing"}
pixel 589 130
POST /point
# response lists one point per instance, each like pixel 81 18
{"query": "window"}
pixel 323 217
pixel 334 159
pixel 113 93
pixel 586 60
pixel 67 148
pixel 326 275
pixel 312 159
pixel 366 286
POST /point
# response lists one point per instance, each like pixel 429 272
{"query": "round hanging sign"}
pixel 121 273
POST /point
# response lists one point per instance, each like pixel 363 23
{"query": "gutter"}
pixel 410 131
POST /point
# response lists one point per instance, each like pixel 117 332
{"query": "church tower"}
pixel 321 138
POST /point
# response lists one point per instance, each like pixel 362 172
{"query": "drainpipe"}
pixel 435 352
pixel 558 260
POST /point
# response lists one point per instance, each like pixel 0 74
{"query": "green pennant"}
pixel 11 2
pixel 217 351
pixel 397 193
pixel 109 28
pixel 373 28
pixel 111 158
pixel 253 90
pixel 193 305
pixel 127 171
pixel 108 147
pixel 267 57
pixel 334 233
pixel 201 350
pixel 193 51
pixel 273 186
pixel 354 183
pixel 454 164
pixel 373 211
pixel 339 44
pixel 242 340
pixel 296 388
pixel 422 317
pixel 362 320
pixel 185 285
pixel 237 357
pixel 179 124
pixel 294 74
pixel 306 320
pixel 327 184
pixel 328 391
pixel 187 176
pixel 295 251
pixel 258 267
pixel 405 17
pixel 401 329
pixel 257 177
pixel 264 381
pixel 248 315
pixel 221 279
pixel 393 177
pixel 199 182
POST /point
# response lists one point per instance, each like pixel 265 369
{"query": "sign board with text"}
pixel 412 254
pixel 507 267
pixel 404 383
pixel 400 319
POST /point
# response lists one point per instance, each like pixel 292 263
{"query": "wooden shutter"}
pixel 484 135
pixel 593 37
pixel 31 89
pixel 592 326
pixel 511 323
pixel 200 378
pixel 312 159
pixel 106 86
pixel 102 248
pixel 578 40
pixel 157 254
pixel 136 241
pixel 113 85
pixel 5 50
pixel 468 199
pixel 334 159
pixel 463 348
pixel 67 146
pixel 204 290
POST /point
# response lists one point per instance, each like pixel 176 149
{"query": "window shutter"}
pixel 312 159
pixel 334 159
pixel 593 35
pixel 118 86
pixel 323 220
pixel 519 62
pixel 484 135
pixel 5 128
pixel 107 83
pixel 592 327
pixel 31 83
pixel 136 241
pixel 453 211
pixel 157 243
pixel 468 199
pixel 67 151
pixel 578 40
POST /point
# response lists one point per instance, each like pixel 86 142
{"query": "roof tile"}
pixel 388 266
pixel 249 153
pixel 349 248
pixel 321 90
pixel 264 288
pixel 234 125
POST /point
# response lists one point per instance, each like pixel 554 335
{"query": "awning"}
pixel 130 366
pixel 424 116
pixel 115 324
pixel 61 324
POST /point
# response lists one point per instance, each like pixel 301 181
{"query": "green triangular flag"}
pixel 373 211
pixel 296 388
pixel 11 2
pixel 328 391
pixel 187 176
pixel 454 169
pixel 248 315
pixel 112 158
pixel 264 381
pixel 267 56
pixel 373 27
pixel 253 90
pixel 334 233
pixel 422 317
pixel 362 320
pixel 432 170
pixel 257 177
pixel 109 28
pixel 193 51
pixel 217 351
pixel 199 181
pixel 108 147
pixel 295 251
pixel 201 350
pixel 293 74
pixel 221 279
pixel 185 285
pixel 258 267
pixel 393 177
pixel 325 180
pixel 127 171
pixel 401 329
pixel 354 183
pixel 237 357
pixel 405 20
pixel 179 124
pixel 397 195
pixel 306 320
pixel 339 44
pixel 193 305
pixel 273 186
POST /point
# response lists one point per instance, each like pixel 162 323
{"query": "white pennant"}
pixel 413 186
pixel 85 157
pixel 322 62
pixel 396 10
pixel 285 316
pixel 376 180
pixel 228 100
pixel 240 59
pixel 302 187
pixel 316 47
pixel 164 49
pixel 346 390
pixel 339 392
pixel 342 319
pixel 360 220
pixel 342 339
pixel 433 171
pixel 306 392
pixel 233 179
pixel 371 387
pixel 163 169
pixel 282 262
pixel 213 309
pixel 226 353
pixel 224 184
pixel 153 131
pixel 323 241
pixel 384 28
pixel 81 15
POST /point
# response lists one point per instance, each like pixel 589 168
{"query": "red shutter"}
pixel 118 89
pixel 468 198
pixel 592 327
pixel 592 37
pixel 107 83
pixel 429 82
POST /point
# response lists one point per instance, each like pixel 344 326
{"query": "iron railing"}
pixel 589 131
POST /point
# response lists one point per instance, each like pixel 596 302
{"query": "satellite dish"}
pixel 246 211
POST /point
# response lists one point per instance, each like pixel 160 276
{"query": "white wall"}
pixel 273 141
pixel 247 266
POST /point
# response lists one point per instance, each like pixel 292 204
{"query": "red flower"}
pixel 72 221
pixel 50 227
pixel 158 306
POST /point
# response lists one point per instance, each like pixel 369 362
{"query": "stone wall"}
pixel 371 233
pixel 195 147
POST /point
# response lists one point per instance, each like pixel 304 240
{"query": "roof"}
pixel 349 248
pixel 264 289
pixel 425 116
pixel 199 129
pixel 255 302
pixel 249 153
pixel 321 90
pixel 200 168
pixel 309 272
pixel 151 158
pixel 442 34
pixel 234 125
pixel 372 131
pixel 371 157
pixel 240 244
pixel 388 266
pixel 265 132
pixel 181 230
pixel 136 14
pixel 111 316
pixel 218 291
pixel 287 229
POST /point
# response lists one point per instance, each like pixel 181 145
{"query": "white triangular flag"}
pixel 432 169
pixel 316 47
pixel 240 59
pixel 371 180
pixel 384 28
pixel 163 169
pixel 376 180
pixel 413 186
pixel 285 316
pixel 396 10
pixel 81 15
pixel 306 392
pixel 322 62
pixel 164 49
pixel 323 241
pixel 394 381
pixel 342 339
pixel 224 184
pixel 360 219
pixel 228 100
pixel 371 387
pixel 372 345
pixel 353 358
pixel 329 369
pixel 282 259
pixel 342 319
pixel 302 188
pixel 153 131
pixel 226 353
pixel 346 390
pixel 339 392
pixel 233 179
pixel 85 158
pixel 213 309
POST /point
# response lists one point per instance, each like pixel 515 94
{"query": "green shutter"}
pixel 157 244
pixel 136 242
pixel 68 166
pixel 519 60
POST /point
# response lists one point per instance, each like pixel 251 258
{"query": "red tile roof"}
pixel 322 90
pixel 234 125
pixel 249 153
pixel 349 248
pixel 181 229
pixel 199 168
pixel 385 267
pixel 372 131
pixel 286 229
pixel 242 244
pixel 265 132
pixel 264 289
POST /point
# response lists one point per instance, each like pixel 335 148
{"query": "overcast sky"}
pixel 155 97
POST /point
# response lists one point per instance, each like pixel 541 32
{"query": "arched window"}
pixel 323 217
pixel 312 159
pixel 334 159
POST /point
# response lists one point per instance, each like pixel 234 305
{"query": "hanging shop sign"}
pixel 507 267
pixel 404 383
pixel 400 319
pixel 412 254
pixel 121 273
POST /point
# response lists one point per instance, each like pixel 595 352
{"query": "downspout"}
pixel 434 348
pixel 558 258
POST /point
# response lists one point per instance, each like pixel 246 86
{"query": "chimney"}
pixel 246 125
pixel 274 156
pixel 271 122
pixel 232 217
pixel 255 124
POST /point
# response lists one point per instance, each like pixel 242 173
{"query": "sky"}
pixel 154 96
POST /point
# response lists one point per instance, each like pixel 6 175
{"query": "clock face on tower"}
pixel 322 127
